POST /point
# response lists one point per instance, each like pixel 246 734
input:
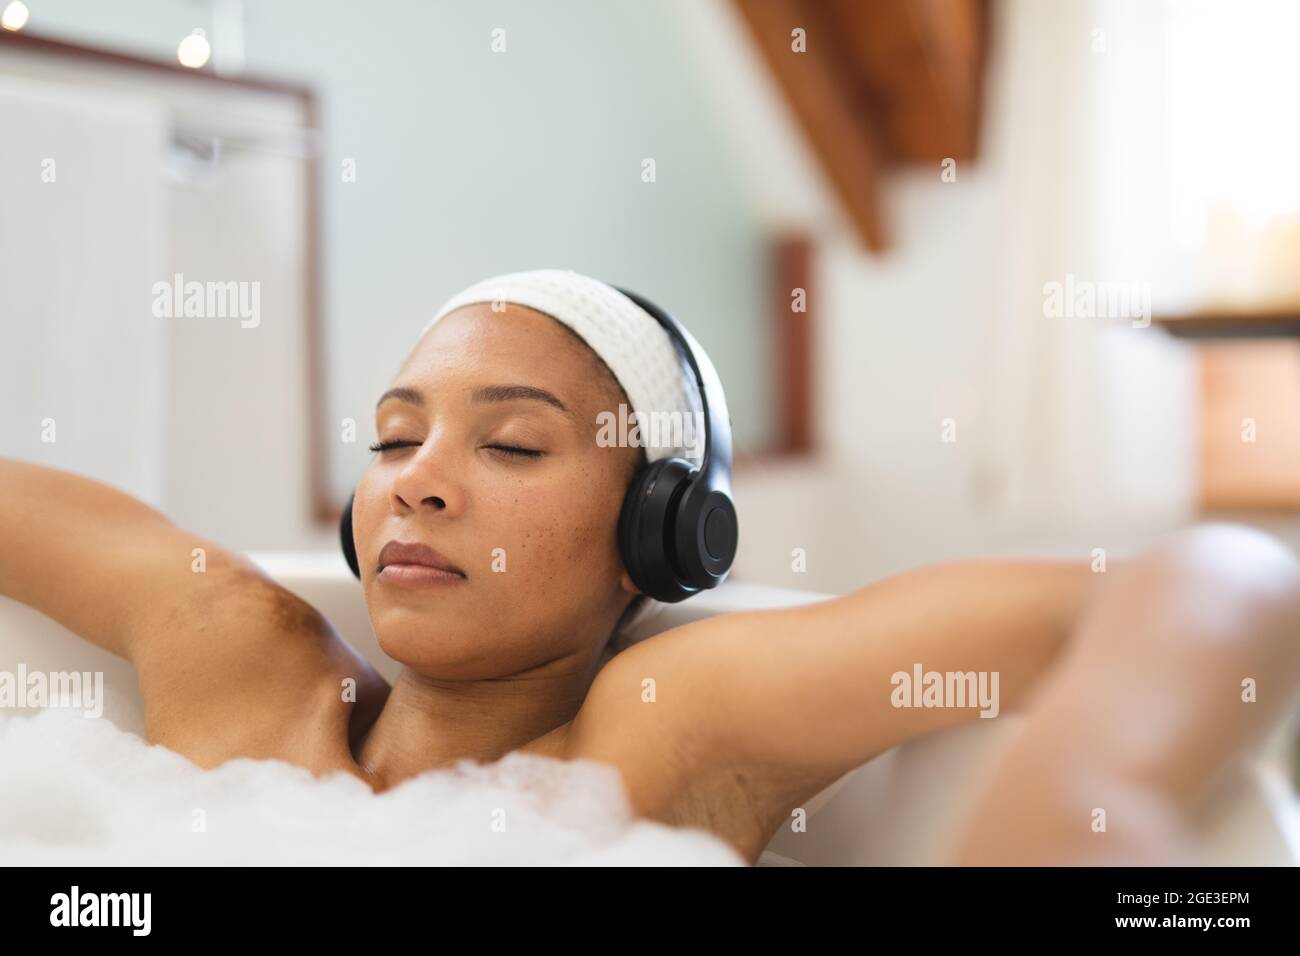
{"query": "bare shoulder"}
pixel 229 662
pixel 240 666
pixel 653 712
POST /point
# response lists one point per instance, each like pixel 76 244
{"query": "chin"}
pixel 434 653
pixel 435 641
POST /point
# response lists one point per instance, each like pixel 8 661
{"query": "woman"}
pixel 485 532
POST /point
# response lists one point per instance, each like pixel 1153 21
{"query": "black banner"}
pixel 234 905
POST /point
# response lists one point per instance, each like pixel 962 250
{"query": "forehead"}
pixel 474 343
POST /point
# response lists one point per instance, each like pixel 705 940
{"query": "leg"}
pixel 1148 707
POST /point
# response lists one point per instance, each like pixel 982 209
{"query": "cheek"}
pixel 563 532
pixel 369 505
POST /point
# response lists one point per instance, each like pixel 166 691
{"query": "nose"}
pixel 425 481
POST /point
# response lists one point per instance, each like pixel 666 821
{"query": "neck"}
pixel 427 723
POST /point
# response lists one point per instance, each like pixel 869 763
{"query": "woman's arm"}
pixel 119 574
pixel 794 698
pixel 200 632
pixel 106 566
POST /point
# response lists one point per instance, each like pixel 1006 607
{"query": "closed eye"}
pixel 515 451
pixel 390 445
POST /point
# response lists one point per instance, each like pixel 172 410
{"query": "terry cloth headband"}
pixel 643 357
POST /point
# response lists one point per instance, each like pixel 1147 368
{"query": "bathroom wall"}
pixel 1052 453
pixel 469 162
pixel 1066 439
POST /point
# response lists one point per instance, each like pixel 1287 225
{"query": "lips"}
pixel 402 563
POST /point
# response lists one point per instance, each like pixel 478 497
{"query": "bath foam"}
pixel 85 793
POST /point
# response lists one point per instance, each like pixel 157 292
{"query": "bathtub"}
pixel 898 809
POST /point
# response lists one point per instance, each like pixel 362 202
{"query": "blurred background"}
pixel 979 277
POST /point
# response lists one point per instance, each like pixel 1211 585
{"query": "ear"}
pixel 625 582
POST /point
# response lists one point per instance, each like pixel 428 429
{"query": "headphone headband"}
pixel 715 465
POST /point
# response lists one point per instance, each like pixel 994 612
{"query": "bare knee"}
pixel 1215 584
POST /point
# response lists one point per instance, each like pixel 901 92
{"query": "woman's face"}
pixel 493 464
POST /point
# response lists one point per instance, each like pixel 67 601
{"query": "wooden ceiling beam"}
pixel 820 88
pixel 918 65
pixel 950 35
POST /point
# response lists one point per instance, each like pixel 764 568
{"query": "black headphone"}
pixel 677 530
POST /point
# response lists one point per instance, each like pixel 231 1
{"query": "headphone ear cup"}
pixel 647 530
pixel 706 536
pixel 346 540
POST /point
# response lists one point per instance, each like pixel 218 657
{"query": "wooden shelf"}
pixel 1281 323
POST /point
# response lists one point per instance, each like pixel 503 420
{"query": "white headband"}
pixel 643 357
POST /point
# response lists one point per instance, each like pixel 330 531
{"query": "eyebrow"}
pixel 487 393
pixel 408 395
